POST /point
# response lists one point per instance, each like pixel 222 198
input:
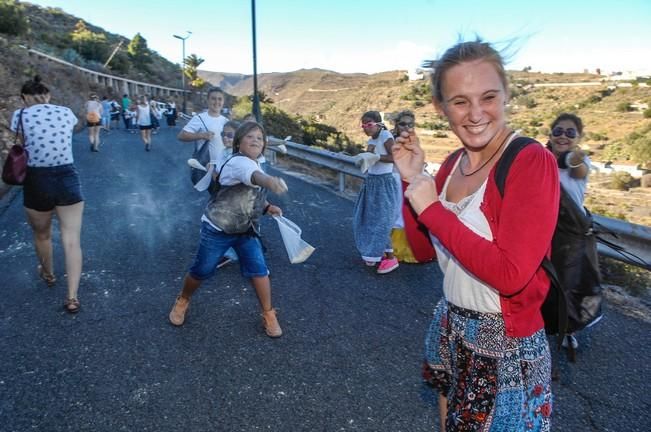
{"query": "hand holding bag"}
pixel 297 249
pixel 14 170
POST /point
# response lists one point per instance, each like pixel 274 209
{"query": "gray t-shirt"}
pixel 48 132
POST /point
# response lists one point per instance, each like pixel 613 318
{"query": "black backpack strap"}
pixel 559 295
pixel 556 290
pixel 196 145
pixel 504 164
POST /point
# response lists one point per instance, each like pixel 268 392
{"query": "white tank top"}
pixel 460 287
pixel 144 116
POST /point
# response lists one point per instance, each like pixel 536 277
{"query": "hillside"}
pixel 340 99
pixel 50 30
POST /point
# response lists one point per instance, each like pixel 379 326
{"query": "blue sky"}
pixel 373 36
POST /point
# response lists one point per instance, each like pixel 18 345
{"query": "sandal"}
pixel 49 278
pixel 72 305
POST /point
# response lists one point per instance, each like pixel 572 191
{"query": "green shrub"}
pixel 594 99
pixel 647 113
pixel 12 18
pixel 621 181
pixel 624 107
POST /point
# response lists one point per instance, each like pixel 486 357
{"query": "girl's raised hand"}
pixel 408 156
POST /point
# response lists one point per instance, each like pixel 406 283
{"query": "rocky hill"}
pixel 614 114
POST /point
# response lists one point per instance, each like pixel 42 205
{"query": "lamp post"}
pixel 256 99
pixel 183 65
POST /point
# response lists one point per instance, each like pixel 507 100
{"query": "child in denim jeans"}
pixel 231 220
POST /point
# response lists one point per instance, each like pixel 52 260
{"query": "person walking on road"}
pixel 52 185
pixel 144 122
pixel 94 121
pixel 377 206
pixel 486 352
pixel 231 220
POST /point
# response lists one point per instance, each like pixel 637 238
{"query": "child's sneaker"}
pixel 270 323
pixel 387 265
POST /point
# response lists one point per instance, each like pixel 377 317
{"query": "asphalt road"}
pixel 349 359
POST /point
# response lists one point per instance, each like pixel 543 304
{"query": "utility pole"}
pixel 256 99
pixel 113 54
pixel 183 66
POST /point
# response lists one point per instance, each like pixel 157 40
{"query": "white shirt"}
pixel 215 125
pixel 380 167
pixel 574 187
pixel 48 134
pixel 460 287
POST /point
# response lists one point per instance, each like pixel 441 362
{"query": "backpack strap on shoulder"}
pixel 504 164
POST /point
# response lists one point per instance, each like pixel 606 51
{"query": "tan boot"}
pixel 270 323
pixel 177 315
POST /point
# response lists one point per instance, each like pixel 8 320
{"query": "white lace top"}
pixel 460 287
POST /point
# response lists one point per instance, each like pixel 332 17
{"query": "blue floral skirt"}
pixel 493 382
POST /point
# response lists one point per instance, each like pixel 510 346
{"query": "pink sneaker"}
pixel 387 265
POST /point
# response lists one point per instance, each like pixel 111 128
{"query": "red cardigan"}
pixel 522 224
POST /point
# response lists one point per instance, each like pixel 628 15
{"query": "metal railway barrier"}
pixel 635 240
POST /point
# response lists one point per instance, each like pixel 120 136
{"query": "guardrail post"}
pixel 342 182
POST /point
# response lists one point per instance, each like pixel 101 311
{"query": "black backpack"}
pixel 555 306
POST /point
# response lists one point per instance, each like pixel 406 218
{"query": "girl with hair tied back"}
pixel 486 352
pixel 52 184
pixel 376 207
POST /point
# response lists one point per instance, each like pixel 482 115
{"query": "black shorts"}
pixel 92 124
pixel 145 127
pixel 49 187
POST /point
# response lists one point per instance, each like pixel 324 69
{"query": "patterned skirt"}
pixel 375 212
pixel 492 382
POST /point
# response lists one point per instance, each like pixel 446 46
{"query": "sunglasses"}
pixel 569 132
pixel 406 124
pixel 368 125
pixel 230 135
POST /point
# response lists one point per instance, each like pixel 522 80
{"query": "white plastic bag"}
pixel 297 249
pixel 366 160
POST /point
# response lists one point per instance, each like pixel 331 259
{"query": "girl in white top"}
pixel 377 204
pixel 143 120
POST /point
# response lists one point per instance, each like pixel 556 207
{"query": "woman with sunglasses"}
pixel 486 352
pixel 574 248
pixel 377 204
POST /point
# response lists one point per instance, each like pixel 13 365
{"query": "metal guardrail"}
pixel 635 239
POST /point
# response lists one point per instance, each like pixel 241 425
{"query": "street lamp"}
pixel 183 65
pixel 256 99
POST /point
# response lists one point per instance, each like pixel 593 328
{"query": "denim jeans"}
pixel 214 244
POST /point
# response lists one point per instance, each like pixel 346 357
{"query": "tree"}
pixel 91 46
pixel 192 63
pixel 12 18
pixel 138 51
